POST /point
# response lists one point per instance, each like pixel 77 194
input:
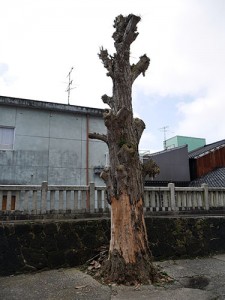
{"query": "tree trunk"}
pixel 130 259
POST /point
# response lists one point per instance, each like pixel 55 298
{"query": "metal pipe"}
pixel 87 162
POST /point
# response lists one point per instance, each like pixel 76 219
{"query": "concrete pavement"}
pixel 199 279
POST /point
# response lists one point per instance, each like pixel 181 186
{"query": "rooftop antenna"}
pixel 69 88
pixel 164 129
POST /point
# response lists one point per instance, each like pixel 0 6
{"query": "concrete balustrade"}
pixel 62 199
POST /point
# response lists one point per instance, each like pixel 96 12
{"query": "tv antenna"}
pixel 69 88
pixel 164 129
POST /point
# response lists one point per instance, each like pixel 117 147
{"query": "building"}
pixel 207 164
pixel 174 167
pixel 215 178
pixel 203 165
pixel 43 141
pixel 177 141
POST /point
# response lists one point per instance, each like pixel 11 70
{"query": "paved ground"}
pixel 199 279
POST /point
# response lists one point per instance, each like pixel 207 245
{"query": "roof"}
pixel 165 151
pixel 215 178
pixel 206 149
pixel 42 105
pixel 185 137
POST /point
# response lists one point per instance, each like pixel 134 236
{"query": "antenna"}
pixel 164 129
pixel 69 88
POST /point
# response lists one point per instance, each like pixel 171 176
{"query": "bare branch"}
pixel 140 67
pixel 107 61
pixel 98 136
pixel 139 126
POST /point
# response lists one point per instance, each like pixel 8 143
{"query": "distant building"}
pixel 43 141
pixel 202 165
pixel 207 164
pixel 177 141
pixel 174 167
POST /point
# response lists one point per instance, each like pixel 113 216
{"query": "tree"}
pixel 130 259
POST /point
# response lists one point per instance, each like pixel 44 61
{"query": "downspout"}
pixel 87 163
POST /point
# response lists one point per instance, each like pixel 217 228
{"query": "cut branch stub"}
pixel 126 153
pixel 139 126
pixel 108 100
pixel 150 168
pixel 109 118
pixel 140 67
pixel 107 61
pixel 126 28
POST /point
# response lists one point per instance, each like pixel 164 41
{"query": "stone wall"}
pixel 32 246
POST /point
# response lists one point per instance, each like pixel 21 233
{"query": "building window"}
pixel 6 138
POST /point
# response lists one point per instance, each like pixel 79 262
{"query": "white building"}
pixel 43 141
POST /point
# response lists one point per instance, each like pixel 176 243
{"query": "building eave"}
pixel 52 106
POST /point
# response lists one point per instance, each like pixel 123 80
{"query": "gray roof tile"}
pixel 206 149
pixel 215 178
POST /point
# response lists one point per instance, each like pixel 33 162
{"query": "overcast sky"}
pixel 184 87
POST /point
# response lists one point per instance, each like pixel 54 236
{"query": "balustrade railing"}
pixel 62 199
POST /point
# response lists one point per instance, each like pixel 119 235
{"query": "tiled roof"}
pixel 206 149
pixel 216 178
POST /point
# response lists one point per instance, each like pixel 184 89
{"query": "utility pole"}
pixel 164 129
pixel 69 88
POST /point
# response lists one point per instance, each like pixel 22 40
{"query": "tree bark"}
pixel 130 259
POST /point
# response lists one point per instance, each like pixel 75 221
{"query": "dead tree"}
pixel 130 259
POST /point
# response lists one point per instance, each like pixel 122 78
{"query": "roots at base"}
pixel 115 270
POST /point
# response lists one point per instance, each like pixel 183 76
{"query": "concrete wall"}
pixel 51 143
pixel 33 246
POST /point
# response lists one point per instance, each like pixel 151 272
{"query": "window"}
pixel 6 137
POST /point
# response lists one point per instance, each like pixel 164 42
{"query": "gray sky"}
pixel 185 39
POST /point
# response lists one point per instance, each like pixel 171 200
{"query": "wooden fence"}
pixel 62 199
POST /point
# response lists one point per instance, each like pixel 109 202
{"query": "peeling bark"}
pixel 129 255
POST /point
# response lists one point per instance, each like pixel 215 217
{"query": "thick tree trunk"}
pixel 129 259
pixel 129 256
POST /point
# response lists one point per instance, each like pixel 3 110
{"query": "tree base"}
pixel 116 270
